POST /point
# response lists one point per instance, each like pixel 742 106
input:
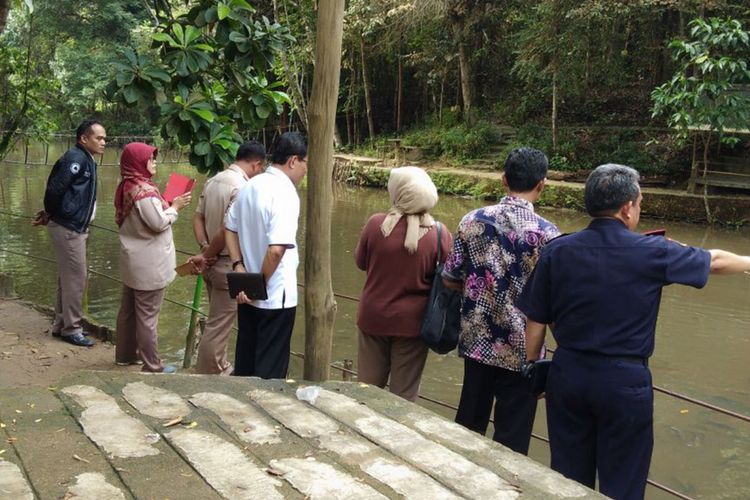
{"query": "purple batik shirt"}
pixel 494 252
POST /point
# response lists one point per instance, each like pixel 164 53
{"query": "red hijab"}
pixel 135 179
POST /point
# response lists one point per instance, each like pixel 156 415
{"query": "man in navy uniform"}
pixel 600 290
pixel 70 206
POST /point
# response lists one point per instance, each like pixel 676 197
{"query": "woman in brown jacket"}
pixel 147 256
pixel 398 250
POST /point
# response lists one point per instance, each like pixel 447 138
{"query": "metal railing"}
pixel 347 371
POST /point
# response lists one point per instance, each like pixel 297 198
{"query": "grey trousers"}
pixel 401 358
pixel 136 328
pixel 222 313
pixel 70 252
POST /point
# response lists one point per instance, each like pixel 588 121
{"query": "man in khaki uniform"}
pixel 218 193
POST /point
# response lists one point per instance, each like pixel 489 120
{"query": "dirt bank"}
pixel 31 357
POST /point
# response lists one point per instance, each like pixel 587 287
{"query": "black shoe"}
pixel 56 334
pixel 78 339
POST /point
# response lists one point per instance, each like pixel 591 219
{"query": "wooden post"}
pixel 46 153
pixel 190 342
pixel 320 307
pixel 346 375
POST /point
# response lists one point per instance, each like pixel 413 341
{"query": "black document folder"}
pixel 253 284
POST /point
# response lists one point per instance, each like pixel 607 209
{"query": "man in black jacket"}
pixel 70 205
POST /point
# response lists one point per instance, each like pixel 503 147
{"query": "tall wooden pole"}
pixel 320 308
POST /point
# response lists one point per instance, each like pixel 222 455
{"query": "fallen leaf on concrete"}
pixel 191 425
pixel 60 430
pixel 43 357
pixel 185 475
pixel 274 472
pixel 120 469
pixel 53 389
pixel 248 428
pixel 290 381
pixel 174 421
pixel 30 405
pixel 19 411
pixel 34 351
pixel 2 451
pixel 2 425
pixel 37 420
pixel 12 440
pixel 684 411
pixel 81 459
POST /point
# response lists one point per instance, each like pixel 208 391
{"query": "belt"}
pixel 627 359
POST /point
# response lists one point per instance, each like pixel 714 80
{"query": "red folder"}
pixel 177 185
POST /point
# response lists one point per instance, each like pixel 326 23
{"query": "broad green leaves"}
pixel 705 91
pixel 211 74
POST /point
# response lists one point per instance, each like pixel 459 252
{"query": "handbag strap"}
pixel 438 242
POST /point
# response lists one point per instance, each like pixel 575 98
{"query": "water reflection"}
pixel 703 338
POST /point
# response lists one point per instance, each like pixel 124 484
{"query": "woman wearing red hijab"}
pixel 147 255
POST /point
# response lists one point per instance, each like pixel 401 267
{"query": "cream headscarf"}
pixel 413 195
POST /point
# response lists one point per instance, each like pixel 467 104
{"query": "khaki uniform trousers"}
pixel 222 314
pixel 136 328
pixel 70 251
pixel 403 358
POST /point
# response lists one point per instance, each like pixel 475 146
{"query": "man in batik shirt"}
pixel 494 252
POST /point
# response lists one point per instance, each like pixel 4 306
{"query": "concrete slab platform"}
pixel 112 435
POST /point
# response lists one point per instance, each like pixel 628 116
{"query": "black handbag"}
pixel 441 323
pixel 536 372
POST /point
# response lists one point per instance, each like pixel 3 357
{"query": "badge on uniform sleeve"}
pixel 74 168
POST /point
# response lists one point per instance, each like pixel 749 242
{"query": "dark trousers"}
pixel 600 419
pixel 515 405
pixel 263 341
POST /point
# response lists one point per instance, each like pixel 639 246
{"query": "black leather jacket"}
pixel 71 190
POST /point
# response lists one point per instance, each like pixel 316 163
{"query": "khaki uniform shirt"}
pixel 218 193
pixel 147 254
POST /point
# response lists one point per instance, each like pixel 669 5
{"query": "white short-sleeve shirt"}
pixel 266 212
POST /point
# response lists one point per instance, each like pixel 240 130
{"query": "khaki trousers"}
pixel 403 358
pixel 70 251
pixel 136 328
pixel 222 313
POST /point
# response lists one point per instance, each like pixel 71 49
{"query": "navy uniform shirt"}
pixel 602 286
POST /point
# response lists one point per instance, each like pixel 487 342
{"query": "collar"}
pixel 236 168
pixel 517 202
pixel 79 146
pixel 279 173
pixel 607 223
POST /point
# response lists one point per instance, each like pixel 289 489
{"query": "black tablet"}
pixel 253 284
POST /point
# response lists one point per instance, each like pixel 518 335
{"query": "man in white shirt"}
pixel 208 225
pixel 261 236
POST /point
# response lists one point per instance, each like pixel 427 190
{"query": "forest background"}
pixel 463 80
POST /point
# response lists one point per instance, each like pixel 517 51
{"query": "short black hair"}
pixel 524 168
pixel 251 150
pixel 609 187
pixel 289 144
pixel 85 128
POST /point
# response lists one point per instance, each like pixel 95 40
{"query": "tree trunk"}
pixel 554 109
pixel 399 92
pixel 366 87
pixel 4 11
pixel 298 98
pixel 463 64
pixel 320 307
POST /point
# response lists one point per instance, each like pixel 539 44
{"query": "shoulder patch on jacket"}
pixel 75 168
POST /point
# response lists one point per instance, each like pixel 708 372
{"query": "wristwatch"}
pixel 237 263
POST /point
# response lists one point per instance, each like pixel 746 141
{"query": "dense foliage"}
pixel 441 73
pixel 208 71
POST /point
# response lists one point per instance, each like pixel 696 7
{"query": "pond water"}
pixel 703 336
